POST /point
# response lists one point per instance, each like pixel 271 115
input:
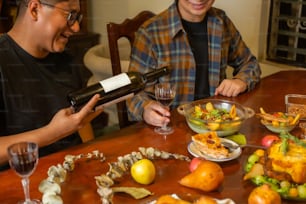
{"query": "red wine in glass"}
pixel 23 163
pixel 165 93
pixel 23 159
pixel 166 101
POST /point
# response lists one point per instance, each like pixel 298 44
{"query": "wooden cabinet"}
pixel 7 11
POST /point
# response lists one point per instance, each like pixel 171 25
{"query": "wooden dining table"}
pixel 80 186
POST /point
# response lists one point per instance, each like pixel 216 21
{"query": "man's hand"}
pixel 156 114
pixel 65 121
pixel 231 87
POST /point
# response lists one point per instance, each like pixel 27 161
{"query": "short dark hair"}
pixel 22 4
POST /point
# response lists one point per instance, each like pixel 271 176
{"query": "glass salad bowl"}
pixel 223 116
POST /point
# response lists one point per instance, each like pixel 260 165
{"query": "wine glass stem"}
pixel 25 184
pixel 165 125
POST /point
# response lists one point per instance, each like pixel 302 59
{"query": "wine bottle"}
pixel 115 89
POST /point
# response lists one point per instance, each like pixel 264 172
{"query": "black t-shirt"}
pixel 198 40
pixel 32 90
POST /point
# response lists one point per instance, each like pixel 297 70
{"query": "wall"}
pixel 103 11
pixel 246 14
pixel 249 16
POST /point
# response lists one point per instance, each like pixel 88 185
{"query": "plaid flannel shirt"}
pixel 162 41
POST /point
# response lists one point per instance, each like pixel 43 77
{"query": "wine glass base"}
pixel 164 130
pixel 32 201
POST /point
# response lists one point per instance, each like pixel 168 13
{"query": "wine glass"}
pixel 165 93
pixel 23 159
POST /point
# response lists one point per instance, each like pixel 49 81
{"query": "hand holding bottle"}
pixel 67 122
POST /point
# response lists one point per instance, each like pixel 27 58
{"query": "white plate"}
pixel 223 201
pixel 193 150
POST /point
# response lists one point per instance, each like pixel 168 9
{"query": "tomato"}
pixel 267 140
pixel 278 114
pixel 195 163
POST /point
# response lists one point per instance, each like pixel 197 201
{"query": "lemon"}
pixel 143 171
pixel 238 138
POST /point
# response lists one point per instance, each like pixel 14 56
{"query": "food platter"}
pixel 235 153
pixel 287 189
pixel 286 197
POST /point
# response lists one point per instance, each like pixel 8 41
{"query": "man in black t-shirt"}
pixel 36 75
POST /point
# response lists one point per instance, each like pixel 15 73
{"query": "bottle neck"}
pixel 151 76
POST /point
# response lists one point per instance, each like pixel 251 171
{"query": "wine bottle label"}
pixel 115 82
pixel 117 100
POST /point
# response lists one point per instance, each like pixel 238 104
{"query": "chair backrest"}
pixel 115 31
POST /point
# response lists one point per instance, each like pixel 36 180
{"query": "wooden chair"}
pixel 115 31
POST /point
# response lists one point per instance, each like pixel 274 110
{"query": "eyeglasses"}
pixel 72 17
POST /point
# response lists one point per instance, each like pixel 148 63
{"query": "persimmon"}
pixel 264 195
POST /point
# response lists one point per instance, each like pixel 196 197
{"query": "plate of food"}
pixel 175 199
pixel 211 147
pixel 278 122
pixel 282 166
pixel 222 116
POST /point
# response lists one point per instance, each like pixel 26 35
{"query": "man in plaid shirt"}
pixel 197 42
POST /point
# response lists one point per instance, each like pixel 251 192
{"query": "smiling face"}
pixel 194 10
pixel 52 23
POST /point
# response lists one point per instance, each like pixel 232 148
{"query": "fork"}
pixel 232 146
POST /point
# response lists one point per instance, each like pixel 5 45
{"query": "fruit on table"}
pixel 267 140
pixel 264 195
pixel 208 176
pixel 238 138
pixel 143 171
pixel 256 170
pixel 195 163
